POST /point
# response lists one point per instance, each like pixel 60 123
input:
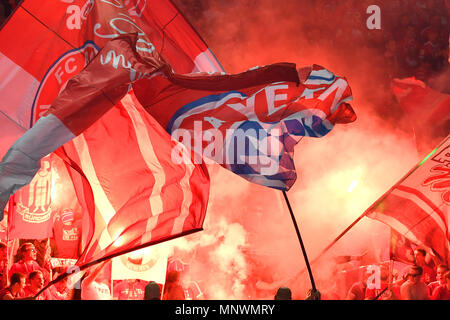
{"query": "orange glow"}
pixel 119 242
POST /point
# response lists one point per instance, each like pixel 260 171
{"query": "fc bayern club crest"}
pixel 55 79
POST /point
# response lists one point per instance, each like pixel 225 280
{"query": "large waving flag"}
pixel 46 43
pixel 250 122
pixel 418 206
pixel 141 196
pixel 401 249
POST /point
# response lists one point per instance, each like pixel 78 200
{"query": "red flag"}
pixel 418 206
pixel 102 84
pixel 45 43
pixel 401 249
pixel 32 216
pixel 249 122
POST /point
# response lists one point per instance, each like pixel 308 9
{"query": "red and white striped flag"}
pixel 141 197
pixel 135 193
pixel 418 206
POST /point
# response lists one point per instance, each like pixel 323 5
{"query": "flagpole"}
pixel 377 202
pixel 305 256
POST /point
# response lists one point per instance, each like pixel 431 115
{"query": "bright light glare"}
pixel 352 186
pixel 119 241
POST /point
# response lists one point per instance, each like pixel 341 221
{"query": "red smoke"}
pixel 249 242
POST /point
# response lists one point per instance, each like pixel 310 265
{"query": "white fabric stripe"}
pixel 47 135
pixel 205 62
pixel 102 202
pixel 148 154
pixel 187 193
pixel 205 107
pixel 22 161
pixel 395 224
pixel 423 205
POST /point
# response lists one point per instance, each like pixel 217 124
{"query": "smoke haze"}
pixel 249 245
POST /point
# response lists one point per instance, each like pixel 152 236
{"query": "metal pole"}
pixel 305 256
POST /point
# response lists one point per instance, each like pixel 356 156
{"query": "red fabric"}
pixel 358 289
pixel 158 19
pixel 426 110
pixel 143 197
pixel 433 285
pixel 130 289
pixel 3 275
pixel 7 290
pixel 42 47
pixel 102 84
pixel 428 275
pixel 224 103
pixel 416 206
pixel 372 293
pixel 441 293
pixel 173 292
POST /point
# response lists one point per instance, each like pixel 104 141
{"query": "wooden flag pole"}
pixel 305 256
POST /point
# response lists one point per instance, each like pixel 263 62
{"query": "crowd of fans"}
pixel 33 276
pixel 413 39
pixel 419 281
pixel 414 35
pixel 26 278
